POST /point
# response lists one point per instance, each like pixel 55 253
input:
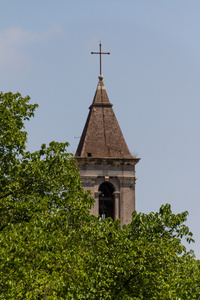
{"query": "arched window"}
pixel 106 200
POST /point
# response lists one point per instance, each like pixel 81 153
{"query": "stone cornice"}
pixel 106 161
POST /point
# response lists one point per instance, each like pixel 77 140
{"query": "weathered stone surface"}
pixel 103 157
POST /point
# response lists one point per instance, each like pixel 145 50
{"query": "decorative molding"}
pixel 107 161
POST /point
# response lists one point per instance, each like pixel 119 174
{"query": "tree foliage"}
pixel 50 246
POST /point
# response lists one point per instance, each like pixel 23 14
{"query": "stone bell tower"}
pixel 106 166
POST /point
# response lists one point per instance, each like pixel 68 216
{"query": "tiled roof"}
pixel 102 136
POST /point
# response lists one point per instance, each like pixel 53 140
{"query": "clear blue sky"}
pixel 152 77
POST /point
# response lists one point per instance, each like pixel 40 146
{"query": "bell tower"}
pixel 106 166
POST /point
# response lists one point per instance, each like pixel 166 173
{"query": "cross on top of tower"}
pixel 100 52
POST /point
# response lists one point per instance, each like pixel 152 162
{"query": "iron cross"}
pixel 100 54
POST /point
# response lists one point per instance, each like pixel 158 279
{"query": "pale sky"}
pixel 151 77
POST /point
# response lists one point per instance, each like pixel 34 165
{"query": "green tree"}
pixel 50 246
pixel 144 260
pixel 42 209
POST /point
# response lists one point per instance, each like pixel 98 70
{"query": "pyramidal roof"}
pixel 102 136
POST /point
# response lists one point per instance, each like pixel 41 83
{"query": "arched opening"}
pixel 106 200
